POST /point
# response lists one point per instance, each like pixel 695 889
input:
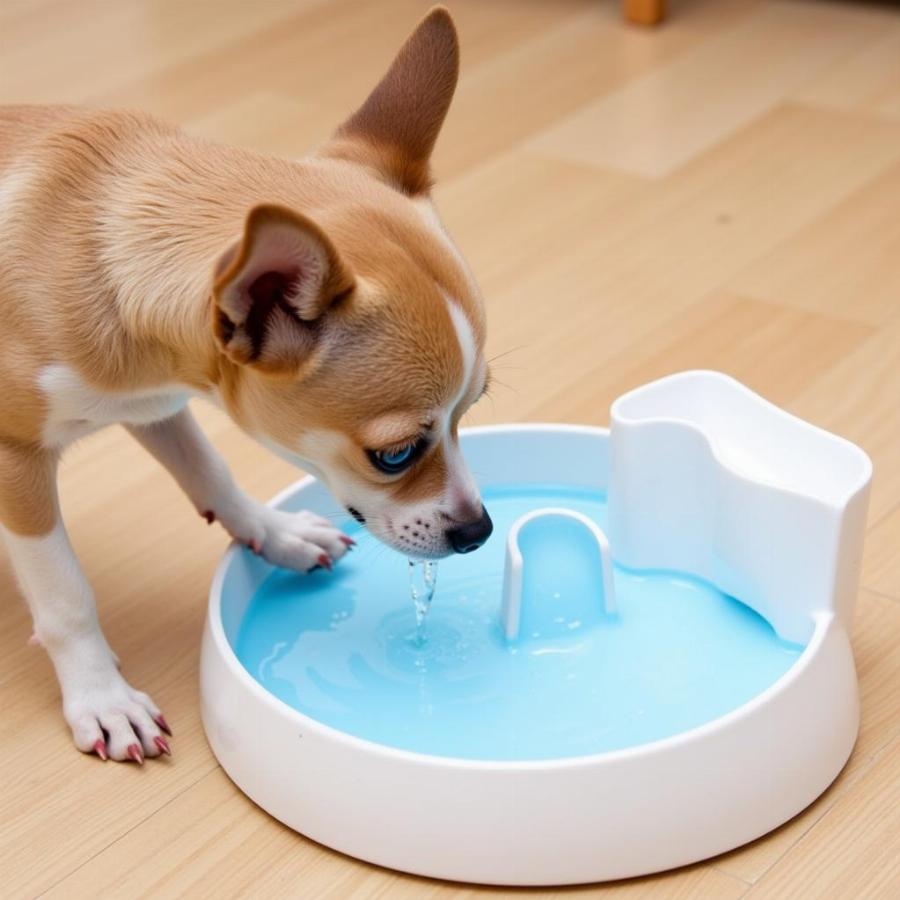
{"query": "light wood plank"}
pixel 868 80
pixel 264 122
pixel 548 77
pixel 855 849
pixel 656 124
pixel 842 263
pixel 857 398
pixel 726 332
pixel 114 43
pixel 881 559
pixel 218 845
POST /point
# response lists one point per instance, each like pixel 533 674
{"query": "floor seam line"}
pixel 125 833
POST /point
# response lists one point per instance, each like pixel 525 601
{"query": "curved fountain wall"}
pixel 708 478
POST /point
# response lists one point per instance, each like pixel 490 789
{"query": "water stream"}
pixel 422 582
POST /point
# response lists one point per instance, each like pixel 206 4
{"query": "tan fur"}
pixel 114 228
pixel 28 502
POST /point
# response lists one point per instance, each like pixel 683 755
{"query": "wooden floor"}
pixel 721 192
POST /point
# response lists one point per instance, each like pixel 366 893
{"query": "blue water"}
pixel 342 648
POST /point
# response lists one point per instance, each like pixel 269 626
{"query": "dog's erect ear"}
pixel 273 287
pixel 395 130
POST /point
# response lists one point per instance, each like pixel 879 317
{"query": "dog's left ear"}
pixel 273 287
pixel 395 130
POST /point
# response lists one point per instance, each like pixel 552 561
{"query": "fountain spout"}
pixel 558 575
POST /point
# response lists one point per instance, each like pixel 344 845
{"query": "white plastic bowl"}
pixel 564 821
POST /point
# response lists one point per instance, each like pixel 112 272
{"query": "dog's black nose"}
pixel 469 537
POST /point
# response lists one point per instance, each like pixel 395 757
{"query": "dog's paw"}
pixel 300 541
pixel 110 718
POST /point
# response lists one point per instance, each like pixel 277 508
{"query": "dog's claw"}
pixel 100 749
pixel 163 724
pixel 324 561
pixel 163 745
pixel 135 752
pixel 209 515
pixel 255 546
pixel 347 541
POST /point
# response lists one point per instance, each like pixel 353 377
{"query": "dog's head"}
pixel 357 329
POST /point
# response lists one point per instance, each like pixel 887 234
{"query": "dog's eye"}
pixel 397 459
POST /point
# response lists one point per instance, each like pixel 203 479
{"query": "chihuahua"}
pixel 319 302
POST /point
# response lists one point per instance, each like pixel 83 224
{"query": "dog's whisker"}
pixel 505 353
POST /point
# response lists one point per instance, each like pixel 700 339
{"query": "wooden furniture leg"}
pixel 644 12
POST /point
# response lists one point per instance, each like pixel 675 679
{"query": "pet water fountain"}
pixel 647 665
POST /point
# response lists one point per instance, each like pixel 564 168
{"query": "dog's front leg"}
pixel 106 715
pixel 300 541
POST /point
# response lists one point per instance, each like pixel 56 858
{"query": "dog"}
pixel 319 302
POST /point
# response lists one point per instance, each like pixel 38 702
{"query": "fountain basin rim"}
pixel 823 621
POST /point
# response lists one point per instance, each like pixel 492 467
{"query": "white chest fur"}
pixel 75 408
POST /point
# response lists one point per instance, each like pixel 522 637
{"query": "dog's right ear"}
pixel 273 288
